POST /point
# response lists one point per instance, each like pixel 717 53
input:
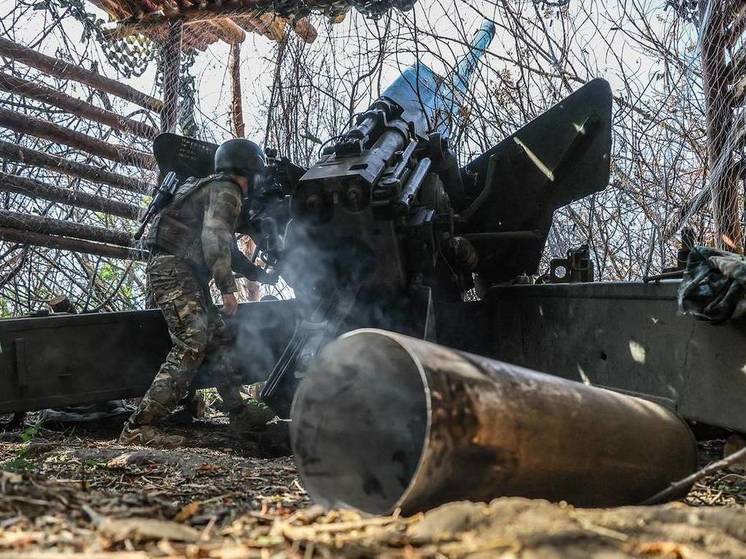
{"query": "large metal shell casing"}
pixel 384 421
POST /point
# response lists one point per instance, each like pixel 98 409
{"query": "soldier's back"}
pixel 178 230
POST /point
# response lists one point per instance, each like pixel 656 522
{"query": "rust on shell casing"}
pixel 384 421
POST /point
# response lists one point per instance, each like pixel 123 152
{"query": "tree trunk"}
pixel 48 226
pixel 73 245
pixel 239 128
pixel 27 124
pixel 726 197
pixel 171 61
pixel 249 290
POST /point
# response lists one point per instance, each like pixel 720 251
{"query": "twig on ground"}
pixel 679 486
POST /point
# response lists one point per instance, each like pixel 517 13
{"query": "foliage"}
pixel 20 462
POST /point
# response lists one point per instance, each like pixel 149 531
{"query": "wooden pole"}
pixel 738 26
pixel 50 226
pixel 73 245
pixel 739 92
pixel 63 70
pixel 32 157
pixel 239 128
pixel 704 197
pixel 74 106
pixel 266 17
pixel 250 290
pixel 225 30
pixel 232 33
pixel 27 124
pixel 37 189
pixel 724 187
pixel 171 60
pixel 723 94
pixel 305 29
pixel 736 68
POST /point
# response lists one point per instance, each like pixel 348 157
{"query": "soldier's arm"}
pixel 218 231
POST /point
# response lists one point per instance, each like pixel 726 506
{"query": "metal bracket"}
pixel 577 267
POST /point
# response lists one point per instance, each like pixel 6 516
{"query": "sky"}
pixel 211 66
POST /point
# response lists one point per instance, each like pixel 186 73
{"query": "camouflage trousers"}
pixel 198 334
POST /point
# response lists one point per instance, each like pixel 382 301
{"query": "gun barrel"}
pixel 469 62
pixel 425 100
pixel 140 230
pixel 414 183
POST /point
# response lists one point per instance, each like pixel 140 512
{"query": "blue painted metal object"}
pixel 430 102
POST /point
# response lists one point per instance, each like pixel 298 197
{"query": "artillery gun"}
pixel 386 227
pixel 387 230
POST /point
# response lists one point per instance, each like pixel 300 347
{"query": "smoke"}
pixel 336 281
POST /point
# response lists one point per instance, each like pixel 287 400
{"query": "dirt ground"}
pixel 72 491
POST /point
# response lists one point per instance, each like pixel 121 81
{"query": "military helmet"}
pixel 239 157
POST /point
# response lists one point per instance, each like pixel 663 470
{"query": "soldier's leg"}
pixel 182 304
pixel 245 415
pixel 221 362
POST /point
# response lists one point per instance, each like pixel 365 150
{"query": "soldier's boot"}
pixel 147 435
pixel 250 417
pixel 195 407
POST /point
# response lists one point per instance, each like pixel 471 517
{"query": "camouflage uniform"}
pixel 190 241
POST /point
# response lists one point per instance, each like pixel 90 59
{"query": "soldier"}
pixel 191 241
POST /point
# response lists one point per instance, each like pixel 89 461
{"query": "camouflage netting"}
pixel 714 285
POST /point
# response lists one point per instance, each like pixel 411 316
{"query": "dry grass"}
pixel 76 492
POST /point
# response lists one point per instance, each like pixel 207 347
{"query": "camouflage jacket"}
pixel 199 225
